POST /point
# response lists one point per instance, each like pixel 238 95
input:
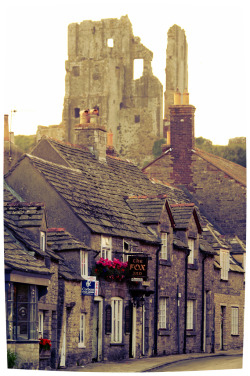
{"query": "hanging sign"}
pixel 90 286
pixel 138 266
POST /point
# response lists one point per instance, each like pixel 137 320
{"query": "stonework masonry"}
pixel 176 66
pixel 100 74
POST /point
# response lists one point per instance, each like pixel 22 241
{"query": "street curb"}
pixel 189 358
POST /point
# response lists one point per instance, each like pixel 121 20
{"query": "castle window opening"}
pixel 77 112
pixel 138 68
pixel 76 71
pixel 137 118
pixel 110 42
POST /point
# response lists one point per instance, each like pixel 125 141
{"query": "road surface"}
pixel 203 364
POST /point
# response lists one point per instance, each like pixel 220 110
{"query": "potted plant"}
pixel 111 270
pixel 45 346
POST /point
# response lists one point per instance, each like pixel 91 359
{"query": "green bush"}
pixel 11 358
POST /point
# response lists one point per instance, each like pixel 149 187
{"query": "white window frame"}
pixel 163 313
pixel 224 263
pixel 84 263
pixel 125 256
pixel 116 319
pixel 190 314
pixel 234 320
pixel 191 243
pixel 82 330
pixel 106 247
pixel 164 247
pixel 40 324
pixel 42 241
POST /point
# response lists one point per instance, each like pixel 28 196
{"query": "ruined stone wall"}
pixel 176 66
pixel 100 72
pixel 56 132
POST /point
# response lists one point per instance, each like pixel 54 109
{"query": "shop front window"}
pixel 21 311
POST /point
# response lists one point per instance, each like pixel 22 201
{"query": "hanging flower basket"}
pixel 111 270
pixel 45 346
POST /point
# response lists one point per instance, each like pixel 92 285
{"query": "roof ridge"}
pixel 33 157
pixel 184 204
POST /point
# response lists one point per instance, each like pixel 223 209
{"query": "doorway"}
pixel 222 327
pixel 97 329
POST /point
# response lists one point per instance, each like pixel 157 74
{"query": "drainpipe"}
pixel 185 316
pixel 203 303
pixel 178 320
pixel 156 299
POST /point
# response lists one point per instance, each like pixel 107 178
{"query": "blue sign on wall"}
pixel 88 288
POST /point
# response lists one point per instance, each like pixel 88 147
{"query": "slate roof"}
pixel 58 239
pixel 16 256
pixel 96 191
pixel 25 214
pixel 148 210
pixel 232 169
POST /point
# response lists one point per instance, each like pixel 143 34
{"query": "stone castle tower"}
pixel 176 67
pixel 100 74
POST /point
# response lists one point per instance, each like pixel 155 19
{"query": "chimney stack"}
pixel 89 133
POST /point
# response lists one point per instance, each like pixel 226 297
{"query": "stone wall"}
pixel 27 354
pixel 176 66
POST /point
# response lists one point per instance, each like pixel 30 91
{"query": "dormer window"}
pixel 224 263
pixel 42 241
pixel 191 254
pixel 106 247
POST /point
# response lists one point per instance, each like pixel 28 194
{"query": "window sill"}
pixel 190 333
pixel 165 262
pixel 81 346
pixel 23 340
pixel 117 344
pixel 193 266
pixel 164 332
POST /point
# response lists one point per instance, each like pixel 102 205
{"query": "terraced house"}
pixel 141 272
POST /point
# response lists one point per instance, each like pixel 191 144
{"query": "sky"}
pixel 34 49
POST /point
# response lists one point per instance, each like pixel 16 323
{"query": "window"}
pixel 191 254
pixel 116 321
pixel 77 112
pixel 84 263
pixel 190 314
pixel 106 244
pixel 164 247
pixel 42 240
pixel 224 263
pixel 126 248
pixel 138 68
pixel 21 311
pixel 234 321
pixel 40 324
pixel 164 313
pixel 137 118
pixel 110 42
pixel 76 71
pixel 82 330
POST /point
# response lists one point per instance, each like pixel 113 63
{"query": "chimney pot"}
pixel 177 97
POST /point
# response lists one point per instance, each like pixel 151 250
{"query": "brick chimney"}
pixel 182 139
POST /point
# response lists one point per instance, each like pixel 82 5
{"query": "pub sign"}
pixel 138 267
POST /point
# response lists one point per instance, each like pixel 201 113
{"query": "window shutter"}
pixel 108 319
